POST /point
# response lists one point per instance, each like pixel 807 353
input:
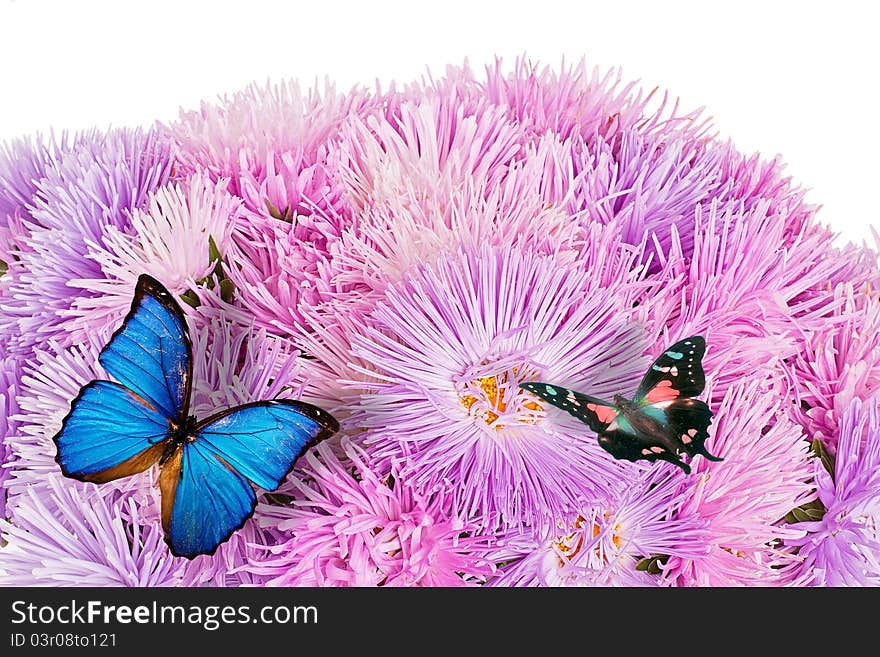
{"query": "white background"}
pixel 798 79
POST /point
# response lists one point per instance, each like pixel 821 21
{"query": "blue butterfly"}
pixel 208 467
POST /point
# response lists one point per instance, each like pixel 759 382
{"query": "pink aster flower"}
pixel 271 142
pixel 426 150
pixel 72 534
pixel 349 526
pixel 611 544
pixel 766 472
pixel 450 346
pixel 839 364
pixel 744 290
pixel 843 548
pixel 576 100
pixel 397 233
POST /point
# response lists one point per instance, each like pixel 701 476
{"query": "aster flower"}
pixel 449 347
pixel 743 290
pixel 839 364
pixel 612 544
pixel 397 233
pixel 93 186
pixel 426 149
pixel 576 100
pixel 178 237
pixel 348 526
pixel 9 373
pixel 23 162
pixel 843 548
pixel 83 538
pixel 649 183
pixel 274 145
pixel 741 500
pixel 271 142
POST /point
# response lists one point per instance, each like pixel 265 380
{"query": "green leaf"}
pixel 213 251
pixel 191 298
pixel 652 565
pixel 819 450
pixel 227 290
pixel 286 215
pixel 278 498
pixel 3 268
pixel 810 512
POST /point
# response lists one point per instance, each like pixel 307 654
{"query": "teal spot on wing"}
pixel 624 425
pixel 658 369
pixel 675 355
pixel 656 413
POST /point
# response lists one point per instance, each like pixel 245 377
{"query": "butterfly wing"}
pixel 110 432
pixel 151 352
pixel 206 486
pixel 597 414
pixel 689 421
pixel 204 500
pixel 677 372
pixel 118 429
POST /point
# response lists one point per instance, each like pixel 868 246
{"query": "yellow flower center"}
pixel 570 545
pixel 498 396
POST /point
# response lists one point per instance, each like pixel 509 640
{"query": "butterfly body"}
pixel 207 468
pixel 661 422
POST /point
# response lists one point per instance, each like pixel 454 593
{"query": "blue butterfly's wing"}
pixel 117 429
pixel 151 352
pixel 110 432
pixel 207 492
pixel 204 500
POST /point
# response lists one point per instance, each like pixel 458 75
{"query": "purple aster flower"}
pixel 170 238
pixel 9 377
pixel 649 183
pixel 766 472
pixel 448 349
pixel 611 544
pixel 72 534
pixel 91 187
pixel 349 526
pixel 23 163
pixel 843 548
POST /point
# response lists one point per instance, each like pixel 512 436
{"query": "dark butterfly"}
pixel 208 467
pixel 662 421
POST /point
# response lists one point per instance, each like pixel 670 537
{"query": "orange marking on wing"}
pixel 604 413
pixel 137 463
pixel 169 476
pixel 663 391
